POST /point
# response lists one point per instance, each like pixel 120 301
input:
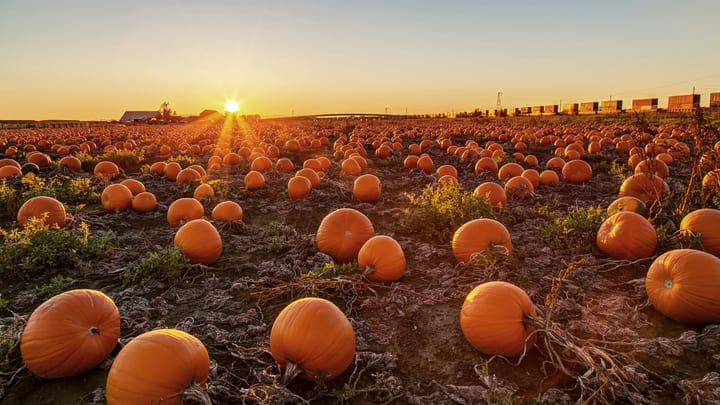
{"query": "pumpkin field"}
pixel 348 260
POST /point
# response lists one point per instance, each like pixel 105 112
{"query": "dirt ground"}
pixel 410 348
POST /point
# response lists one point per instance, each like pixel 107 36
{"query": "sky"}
pixel 95 59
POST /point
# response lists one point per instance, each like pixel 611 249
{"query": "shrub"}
pixel 55 286
pixel 169 265
pixel 329 270
pixel 576 231
pixel 129 160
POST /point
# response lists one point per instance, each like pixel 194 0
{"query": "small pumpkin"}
pixel 705 224
pixel 509 170
pixel 227 211
pixel 493 319
pixel 71 163
pixel 577 172
pixel 116 197
pixel 350 167
pixel 284 165
pixel 646 187
pixel 199 241
pixel 184 209
pixel 627 203
pixel 654 166
pixel 158 168
pixel 684 285
pixel 299 187
pixel 261 164
pixel 106 170
pixel 493 192
pixel 410 162
pixel 172 170
pixel 313 337
pixel 254 180
pixel 367 188
pixel 382 258
pixel 311 175
pixel 426 164
pixel 486 164
pixel 480 235
pixel 342 233
pixel 533 176
pixel 711 183
pixel 157 367
pixel 70 334
pixel 549 177
pixel 187 175
pixel 203 190
pixel 627 235
pixel 519 187
pixel 144 202
pixel 135 186
pixel 446 170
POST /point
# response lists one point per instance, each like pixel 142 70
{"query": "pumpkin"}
pixel 187 175
pixel 519 187
pixel 135 186
pixel 646 187
pixel 342 233
pixel 157 367
pixel 367 188
pixel 653 166
pixel 555 163
pixel 486 164
pixel 480 235
pixel 144 202
pixel 10 171
pixel 38 158
pixel 492 319
pixel 227 211
pixel 311 175
pixel 627 235
pixel 70 334
pixel 203 190
pixel 312 336
pixel 627 203
pixel 30 168
pixel 299 187
pixel 549 177
pixel 493 192
pixel 684 285
pixel 261 164
pixel 350 167
pixel 284 165
pixel 533 176
pixel 382 259
pixel 116 197
pixel 199 241
pixel 9 162
pixel 71 163
pixel 106 170
pixel 325 163
pixel 184 209
pixel 705 224
pixel 312 164
pixel 158 168
pixel 711 183
pixel 446 170
pixel 509 170
pixel 172 170
pixel 576 172
pixel 426 164
pixel 410 162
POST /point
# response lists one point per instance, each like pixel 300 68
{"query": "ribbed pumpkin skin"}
pixel 509 170
pixel 705 223
pixel 494 193
pixel 342 233
pixel 227 211
pixel 155 368
pixel 299 188
pixel 476 236
pixel 58 341
pixel 116 197
pixel 184 209
pixel 9 171
pixel 106 170
pixel 627 235
pixel 492 318
pixel 627 203
pixel 519 187
pixel 684 285
pixel 199 241
pixel 311 175
pixel 384 256
pixel 316 335
pixel 367 188
pixel 135 186
pixel 577 172
pixel 646 187
pixel 548 177
pixel 36 207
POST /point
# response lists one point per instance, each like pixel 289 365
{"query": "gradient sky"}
pixel 96 59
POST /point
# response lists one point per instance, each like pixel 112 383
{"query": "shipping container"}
pixel 550 109
pixel 525 110
pixel 571 109
pixel 683 103
pixel 645 104
pixel 715 101
pixel 537 110
pixel 501 113
pixel 589 108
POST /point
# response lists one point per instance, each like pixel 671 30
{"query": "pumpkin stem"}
pixel 368 270
pixel 196 394
pixel 93 330
pixel 292 370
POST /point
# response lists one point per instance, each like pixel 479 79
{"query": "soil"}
pixel 410 348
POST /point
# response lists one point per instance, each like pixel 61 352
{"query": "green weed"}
pixel 55 286
pixel 575 231
pixel 330 270
pixel 169 265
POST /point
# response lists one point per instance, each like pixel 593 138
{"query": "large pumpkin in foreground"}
pixel 199 241
pixel 627 235
pixel 480 235
pixel 704 224
pixel 70 334
pixel 493 318
pixel 49 209
pixel 684 285
pixel 342 233
pixel 313 334
pixel 156 368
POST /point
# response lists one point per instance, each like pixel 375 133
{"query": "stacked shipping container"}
pixel 611 107
pixel 645 104
pixel 684 103
pixel 589 108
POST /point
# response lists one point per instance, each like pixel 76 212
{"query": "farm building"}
pixel 138 116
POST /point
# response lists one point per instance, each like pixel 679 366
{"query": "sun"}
pixel 231 106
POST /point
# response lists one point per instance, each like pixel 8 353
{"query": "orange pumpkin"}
pixel 410 162
pixel 519 187
pixel 711 183
pixel 627 203
pixel 199 241
pixel 284 165
pixel 367 188
pixel 184 209
pixel 533 176
pixel 254 180
pixel 203 190
pixel 446 170
pixel 555 163
pixel 311 175
pixel 157 367
pixel 509 170
pixel 227 211
pixel 342 233
pixel 261 164
pixel 135 186
pixel 646 187
pixel 577 172
pixel 493 319
pixel 71 163
pixel 106 170
pixel 38 158
pixel 314 335
pixel 9 162
pixel 480 235
pixel 299 187
pixel 705 224
pixel 187 175
pixel 493 192
pixel 158 168
pixel 549 177
pixel 382 259
pixel 627 235
pixel 654 166
pixel 51 210
pixel 486 164
pixel 684 285
pixel 144 202
pixel 116 197
pixel 426 164
pixel 350 167
pixel 70 334
pixel 10 171
pixel 172 170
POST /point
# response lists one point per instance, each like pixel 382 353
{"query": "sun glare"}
pixel 231 106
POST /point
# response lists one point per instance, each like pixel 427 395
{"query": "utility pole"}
pixel 498 102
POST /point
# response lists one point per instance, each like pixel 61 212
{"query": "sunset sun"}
pixel 231 106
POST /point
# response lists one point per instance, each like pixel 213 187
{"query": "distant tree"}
pixel 166 113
